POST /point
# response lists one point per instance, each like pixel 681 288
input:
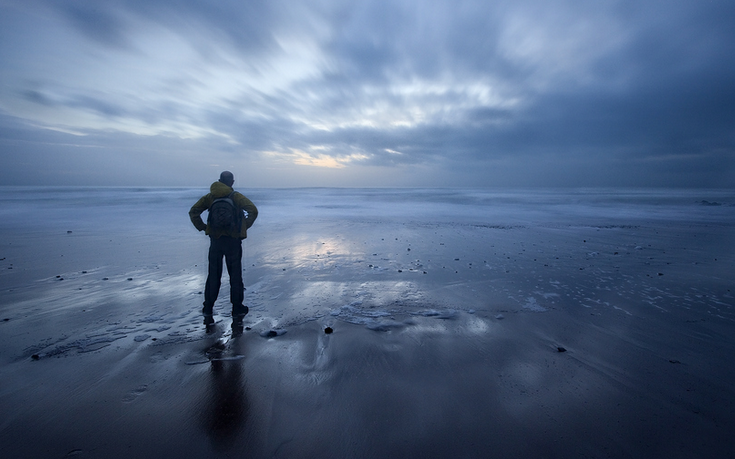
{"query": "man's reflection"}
pixel 226 412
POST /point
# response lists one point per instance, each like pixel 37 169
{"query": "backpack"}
pixel 224 216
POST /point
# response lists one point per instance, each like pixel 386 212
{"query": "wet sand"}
pixel 494 337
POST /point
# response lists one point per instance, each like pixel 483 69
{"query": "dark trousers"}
pixel 231 249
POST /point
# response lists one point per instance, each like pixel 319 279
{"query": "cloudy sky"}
pixel 516 93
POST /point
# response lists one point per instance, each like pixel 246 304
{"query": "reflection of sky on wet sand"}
pixel 310 254
pixel 87 311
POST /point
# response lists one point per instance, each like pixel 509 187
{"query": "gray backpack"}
pixel 224 216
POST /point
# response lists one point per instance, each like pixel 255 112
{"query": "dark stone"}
pixel 35 357
pixel 271 334
pixel 328 330
pixel 561 349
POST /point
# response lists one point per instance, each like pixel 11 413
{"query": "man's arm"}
pixel 195 213
pixel 248 206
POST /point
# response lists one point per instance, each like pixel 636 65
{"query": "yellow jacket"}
pixel 220 190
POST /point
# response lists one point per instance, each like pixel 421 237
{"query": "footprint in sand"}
pixel 135 393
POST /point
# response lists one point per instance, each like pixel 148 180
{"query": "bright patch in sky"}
pixel 317 158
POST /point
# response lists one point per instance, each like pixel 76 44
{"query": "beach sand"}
pixel 500 328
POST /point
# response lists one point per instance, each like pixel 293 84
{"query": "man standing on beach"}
pixel 226 227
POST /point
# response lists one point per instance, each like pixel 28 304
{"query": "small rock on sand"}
pixel 272 333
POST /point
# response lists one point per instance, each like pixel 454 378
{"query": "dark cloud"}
pixel 84 102
pixel 96 21
pixel 36 97
pixel 246 26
